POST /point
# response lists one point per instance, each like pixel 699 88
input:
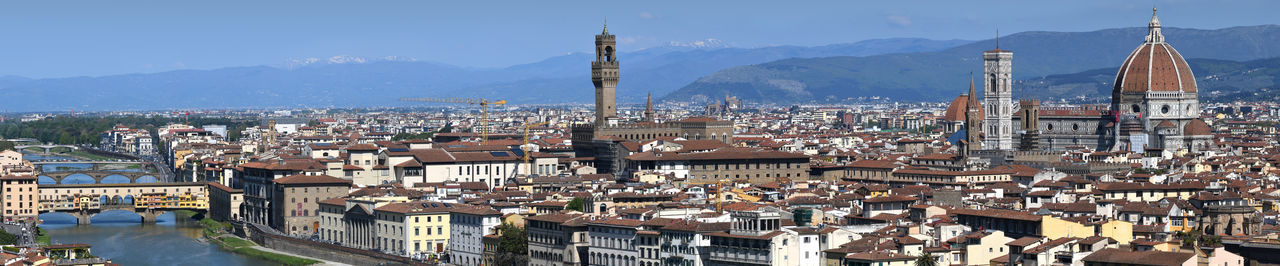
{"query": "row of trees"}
pixel 85 130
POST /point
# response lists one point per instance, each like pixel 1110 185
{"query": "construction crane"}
pixel 525 147
pixel 484 110
pixel 720 195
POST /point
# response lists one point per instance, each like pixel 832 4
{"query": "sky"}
pixel 55 38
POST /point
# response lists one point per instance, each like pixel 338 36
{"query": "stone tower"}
pixel 972 123
pixel 1030 113
pixel 648 108
pixel 998 95
pixel 604 74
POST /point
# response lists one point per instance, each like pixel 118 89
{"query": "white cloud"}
pixel 647 15
pixel 900 21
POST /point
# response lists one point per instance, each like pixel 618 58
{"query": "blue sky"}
pixel 75 38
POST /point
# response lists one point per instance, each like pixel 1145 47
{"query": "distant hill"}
pixel 1217 80
pixel 358 82
pixel 938 76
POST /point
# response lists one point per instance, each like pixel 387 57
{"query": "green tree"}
pixel 6 145
pixel 575 204
pixel 7 239
pixel 926 260
pixel 513 245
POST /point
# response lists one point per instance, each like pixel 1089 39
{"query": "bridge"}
pixel 47 148
pixel 148 200
pixel 95 163
pixel 97 172
pixel 98 176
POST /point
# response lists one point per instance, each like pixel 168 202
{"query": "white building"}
pixel 468 226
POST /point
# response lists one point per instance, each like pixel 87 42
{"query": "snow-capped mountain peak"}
pixel 707 43
pixel 294 63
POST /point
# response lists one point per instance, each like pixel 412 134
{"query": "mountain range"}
pixel 904 69
pixel 351 81
pixel 1216 80
pixel 941 75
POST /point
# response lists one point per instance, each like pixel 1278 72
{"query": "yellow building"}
pixel 1121 231
pixel 1054 228
pixel 988 247
pixel 415 227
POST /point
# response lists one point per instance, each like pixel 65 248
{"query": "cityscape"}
pixel 1110 145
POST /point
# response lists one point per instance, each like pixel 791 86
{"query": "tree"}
pixel 575 204
pixel 926 260
pixel 6 145
pixel 7 239
pixel 513 245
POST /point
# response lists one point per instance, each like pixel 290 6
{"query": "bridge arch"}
pixel 78 178
pixel 116 216
pixel 115 179
pixel 45 180
pixel 57 218
pixel 147 179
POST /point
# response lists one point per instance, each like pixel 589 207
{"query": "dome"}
pixel 1197 127
pixel 1165 124
pixel 955 111
pixel 1155 66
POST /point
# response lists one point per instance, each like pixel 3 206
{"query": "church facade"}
pixel 1154 106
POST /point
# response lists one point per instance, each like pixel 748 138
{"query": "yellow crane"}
pixel 484 110
pixel 525 147
pixel 720 195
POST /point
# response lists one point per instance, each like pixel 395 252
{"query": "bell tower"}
pixel 998 84
pixel 604 74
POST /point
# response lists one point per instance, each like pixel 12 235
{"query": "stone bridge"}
pixel 97 176
pixel 148 200
pixel 47 148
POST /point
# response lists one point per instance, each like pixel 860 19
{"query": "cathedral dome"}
pixel 1197 127
pixel 955 111
pixel 1154 66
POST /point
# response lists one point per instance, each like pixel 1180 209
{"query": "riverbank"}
pixel 216 232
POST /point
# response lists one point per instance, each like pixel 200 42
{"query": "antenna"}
pixel 997 41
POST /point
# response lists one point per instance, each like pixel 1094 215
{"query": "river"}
pixel 119 237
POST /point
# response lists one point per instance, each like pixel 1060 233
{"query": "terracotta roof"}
pixel 311 179
pixel 217 186
pixel 879 256
pixel 417 207
pixel 1125 257
pixel 1155 67
pixel 719 154
pixel 1197 127
pixel 334 201
pixel 1003 214
pixel 890 198
pixel 957 108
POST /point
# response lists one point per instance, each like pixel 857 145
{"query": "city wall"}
pixel 324 251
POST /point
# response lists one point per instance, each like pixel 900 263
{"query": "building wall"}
pixel 466 239
pixel 295 207
pixel 494 174
pixel 389 232
pixel 1054 228
pixel 755 171
pixel 1121 231
pixel 225 205
pixel 990 247
pixel 20 198
pixel 611 245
